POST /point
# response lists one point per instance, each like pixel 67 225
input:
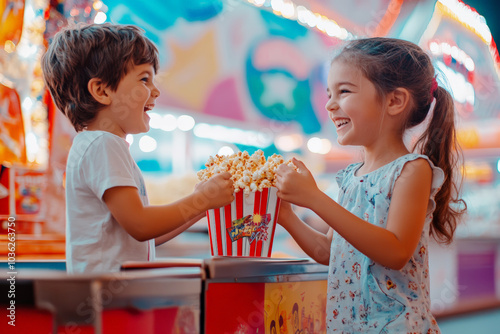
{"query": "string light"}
pixel 9 46
pixel 233 135
pixel 147 144
pixel 472 20
pixel 168 123
pixel 97 5
pixel 291 11
pixel 318 145
pixel 467 16
pixel 288 143
pixel 100 18
pixel 225 150
pixel 458 54
pixel 185 122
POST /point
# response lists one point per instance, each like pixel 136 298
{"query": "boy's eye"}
pixel 342 91
pixel 145 79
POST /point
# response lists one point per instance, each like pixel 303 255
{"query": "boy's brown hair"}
pixel 81 52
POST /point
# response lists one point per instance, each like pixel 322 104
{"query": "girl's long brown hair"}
pixel 392 63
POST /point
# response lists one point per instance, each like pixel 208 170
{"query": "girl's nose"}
pixel 331 105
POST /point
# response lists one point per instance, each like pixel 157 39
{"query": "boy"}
pixel 102 78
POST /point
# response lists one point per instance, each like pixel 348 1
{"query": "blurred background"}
pixel 246 75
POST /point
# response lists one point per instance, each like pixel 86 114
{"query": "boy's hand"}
pixel 217 191
pixel 297 187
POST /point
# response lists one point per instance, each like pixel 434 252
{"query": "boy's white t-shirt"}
pixel 95 241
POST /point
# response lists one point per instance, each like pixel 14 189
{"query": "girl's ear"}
pixel 397 101
pixel 99 91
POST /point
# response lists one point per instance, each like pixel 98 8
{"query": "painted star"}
pixel 278 89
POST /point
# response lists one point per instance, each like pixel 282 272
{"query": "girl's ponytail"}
pixel 439 143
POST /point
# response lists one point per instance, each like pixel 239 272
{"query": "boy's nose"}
pixel 155 92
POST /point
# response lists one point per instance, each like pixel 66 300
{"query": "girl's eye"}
pixel 145 79
pixel 342 91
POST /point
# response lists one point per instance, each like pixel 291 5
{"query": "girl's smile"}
pixel 341 122
pixel 353 105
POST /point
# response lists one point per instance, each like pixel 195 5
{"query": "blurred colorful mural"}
pixel 234 60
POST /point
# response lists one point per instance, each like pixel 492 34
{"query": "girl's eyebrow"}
pixel 340 84
pixel 345 83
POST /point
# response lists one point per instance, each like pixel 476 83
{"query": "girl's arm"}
pixel 392 246
pixel 148 222
pixel 314 243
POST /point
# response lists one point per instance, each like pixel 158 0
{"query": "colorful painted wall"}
pixel 234 60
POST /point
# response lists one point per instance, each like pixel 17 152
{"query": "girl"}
pixel 390 202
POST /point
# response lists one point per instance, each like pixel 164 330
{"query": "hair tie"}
pixel 434 86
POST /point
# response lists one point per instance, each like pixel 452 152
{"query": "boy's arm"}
pixel 148 222
pixel 170 235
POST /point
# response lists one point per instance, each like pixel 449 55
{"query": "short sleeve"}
pixel 437 182
pixel 106 164
pixel 437 177
pixel 340 177
pixel 341 174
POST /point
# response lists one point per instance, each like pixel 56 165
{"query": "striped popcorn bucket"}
pixel 246 226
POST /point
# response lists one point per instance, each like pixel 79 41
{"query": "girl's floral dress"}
pixel 364 296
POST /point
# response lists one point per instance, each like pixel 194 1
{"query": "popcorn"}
pixel 249 173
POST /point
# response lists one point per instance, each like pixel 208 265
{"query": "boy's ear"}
pixel 99 91
pixel 397 101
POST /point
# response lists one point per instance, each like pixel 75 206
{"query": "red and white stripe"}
pixel 219 220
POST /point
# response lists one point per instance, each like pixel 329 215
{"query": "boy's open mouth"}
pixel 148 107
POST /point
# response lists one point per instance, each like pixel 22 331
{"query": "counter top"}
pixel 248 268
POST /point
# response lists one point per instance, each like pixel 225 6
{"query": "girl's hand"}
pixel 215 192
pixel 297 187
pixel 285 214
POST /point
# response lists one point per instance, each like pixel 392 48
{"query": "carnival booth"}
pixel 235 75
